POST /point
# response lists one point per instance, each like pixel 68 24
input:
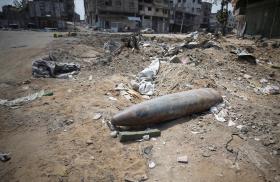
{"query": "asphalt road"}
pixel 17 49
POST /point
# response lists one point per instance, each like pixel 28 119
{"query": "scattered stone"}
pixel 206 154
pixel 68 122
pixel 113 98
pixel 212 148
pixel 263 80
pixel 146 137
pixel 270 90
pixel 4 157
pixel 147 150
pixel 247 76
pixel 89 142
pixel 97 116
pixel 182 159
pixel 114 134
pixel 152 164
pixel 231 123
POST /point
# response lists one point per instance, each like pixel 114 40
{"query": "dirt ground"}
pixel 56 138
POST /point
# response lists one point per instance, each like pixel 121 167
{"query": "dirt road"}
pixel 56 138
pixel 17 48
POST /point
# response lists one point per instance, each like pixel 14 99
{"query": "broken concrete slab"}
pixel 125 136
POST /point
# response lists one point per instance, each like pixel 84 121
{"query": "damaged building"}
pixel 118 15
pixel 155 14
pixel 267 12
pixel 205 14
pixel 51 13
pixel 160 15
pixel 185 15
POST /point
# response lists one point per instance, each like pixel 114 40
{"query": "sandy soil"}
pixel 55 138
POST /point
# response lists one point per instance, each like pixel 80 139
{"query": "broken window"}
pixel 140 7
pixel 149 8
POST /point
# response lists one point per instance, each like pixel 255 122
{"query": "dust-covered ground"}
pixel 59 138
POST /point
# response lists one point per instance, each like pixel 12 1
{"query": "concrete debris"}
pixel 221 115
pixel 220 112
pixel 112 98
pixel 270 90
pixel 192 45
pixel 45 67
pixel 145 78
pixel 89 142
pixel 4 157
pixel 97 116
pixel 112 47
pixel 183 159
pixel 263 80
pixel 231 123
pixel 193 35
pixel 147 151
pixel 247 76
pixel 210 43
pixel 244 55
pixel 22 100
pixel 114 134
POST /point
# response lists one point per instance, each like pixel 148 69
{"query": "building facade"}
pixel 51 13
pixel 206 8
pixel 257 17
pixel 115 15
pixel 160 15
pixel 185 15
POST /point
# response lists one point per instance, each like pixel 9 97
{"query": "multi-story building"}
pixel 160 15
pixel 51 13
pixel 257 17
pixel 155 14
pixel 205 14
pixel 185 15
pixel 116 15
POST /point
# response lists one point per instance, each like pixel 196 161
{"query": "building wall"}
pixel 185 14
pixel 205 14
pixel 261 17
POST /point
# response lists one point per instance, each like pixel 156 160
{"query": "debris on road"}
pixel 47 67
pixel 22 100
pixel 125 136
pixel 112 47
pixel 244 55
pixel 168 107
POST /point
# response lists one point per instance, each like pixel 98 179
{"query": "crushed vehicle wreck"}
pixel 168 107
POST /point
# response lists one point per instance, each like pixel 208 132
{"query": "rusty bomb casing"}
pixel 168 107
